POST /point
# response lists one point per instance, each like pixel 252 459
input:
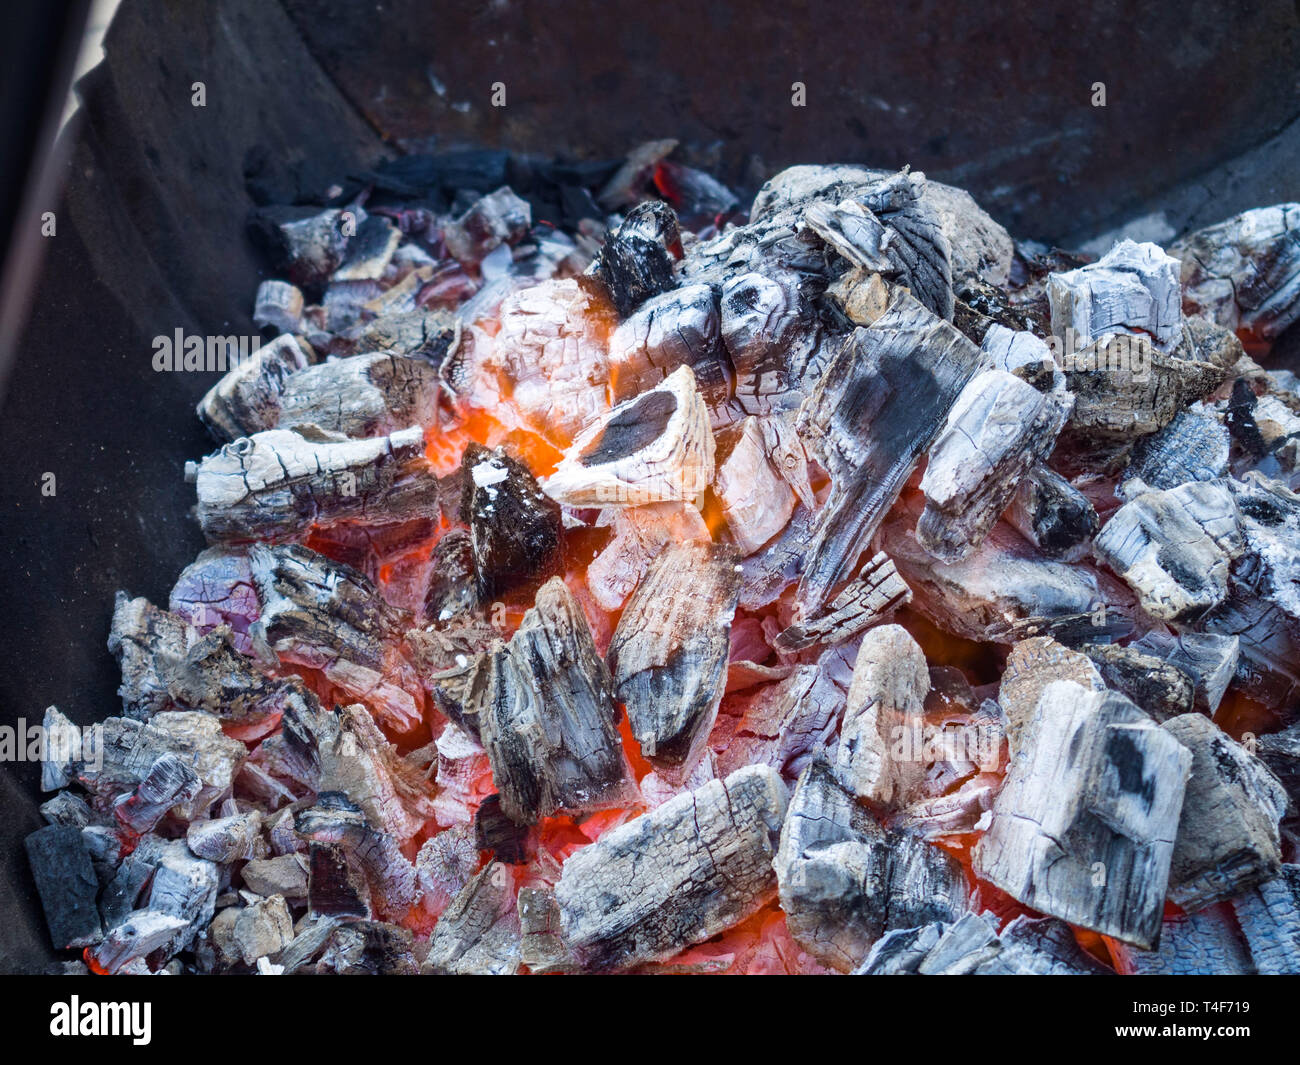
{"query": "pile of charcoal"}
pixel 603 577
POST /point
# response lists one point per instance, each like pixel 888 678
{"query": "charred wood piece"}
pixel 1210 660
pixel 1192 447
pixel 478 934
pixel 651 449
pixel 1244 273
pixel 1053 515
pixel 1134 288
pixel 668 655
pixel 1228 833
pixel 1174 548
pixel 277 484
pixel 633 265
pixel 1084 828
pixel 1269 916
pixel 886 702
pixel 639 535
pixel 327 616
pixel 996 431
pixel 673 877
pixel 875 593
pixel 1161 688
pixel 881 403
pixel 514 526
pixel 548 718
pixel 845 881
pixel 247 399
pixel 1205 943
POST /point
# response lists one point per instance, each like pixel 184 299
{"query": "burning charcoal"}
pixel 163 876
pixel 307 243
pixel 445 864
pixel 1192 447
pixel 462 766
pixel 551 352
pixel 1083 828
pixel 627 185
pixel 370 250
pixel 360 396
pixel 67 808
pixel 1026 947
pixel 891 229
pixel 478 934
pixel 640 534
pixel 278 306
pixel 499 218
pixel 1160 688
pixel 262 928
pixel 956 813
pixel 760 481
pixel 227 839
pixel 652 449
pixel 1052 514
pixel 514 525
pixel 247 399
pixel 870 597
pixel 494 831
pixel 1280 751
pixel 430 336
pixel 781 725
pixel 1209 660
pixel 980 249
pixel 136 938
pixel 1124 388
pixel 1004 592
pixel 676 328
pixel 1022 354
pixel 773 338
pixel 143 638
pixel 66 884
pixel 1228 834
pixel 217 589
pixel 900 378
pixel 632 266
pixel 334 887
pixel 675 876
pixel 548 718
pixel 1262 607
pixel 169 782
pixel 998 428
pixel 1243 272
pixel 278 483
pixel 542 946
pixel 668 656
pixel 452 590
pixel 285 874
pixel 1133 288
pixel 327 616
pixel 1174 548
pixel 335 819
pixel 130 749
pixel 845 881
pixel 1206 943
pixel 367 948
pixel 357 760
pixel 696 195
pixel 885 705
pixel 1269 916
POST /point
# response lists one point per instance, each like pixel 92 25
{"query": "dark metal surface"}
pixel 151 225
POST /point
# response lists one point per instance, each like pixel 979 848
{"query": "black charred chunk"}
pixel 635 263
pixel 635 428
pixel 306 243
pixel 452 589
pixel 514 526
pixel 495 832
